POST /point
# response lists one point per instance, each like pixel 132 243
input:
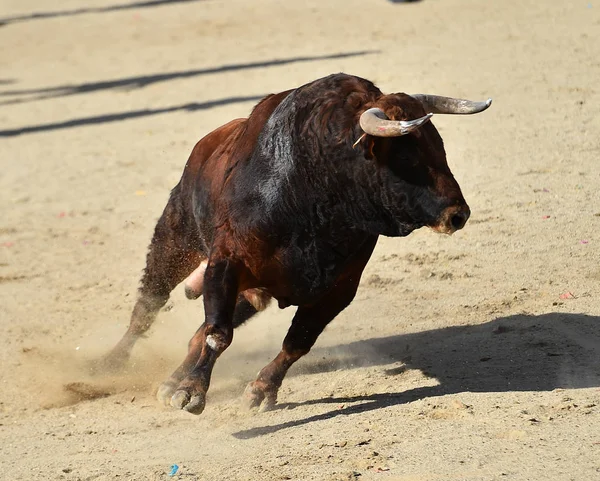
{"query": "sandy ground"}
pixel 471 357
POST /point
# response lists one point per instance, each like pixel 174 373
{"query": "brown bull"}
pixel 288 204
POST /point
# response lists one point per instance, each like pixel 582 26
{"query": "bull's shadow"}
pixel 514 353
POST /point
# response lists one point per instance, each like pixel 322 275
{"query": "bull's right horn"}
pixel 436 104
pixel 374 122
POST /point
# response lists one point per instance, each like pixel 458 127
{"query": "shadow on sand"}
pixel 514 353
pixel 84 10
pixel 110 8
pixel 141 81
pixel 102 119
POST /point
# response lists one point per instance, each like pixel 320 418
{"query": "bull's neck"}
pixel 329 195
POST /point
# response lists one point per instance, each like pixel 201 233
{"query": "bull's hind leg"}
pixel 170 259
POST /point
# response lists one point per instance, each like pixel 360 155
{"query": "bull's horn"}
pixel 447 105
pixel 375 122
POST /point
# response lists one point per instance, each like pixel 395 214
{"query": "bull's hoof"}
pixel 165 392
pixel 258 396
pixel 180 399
pixel 192 404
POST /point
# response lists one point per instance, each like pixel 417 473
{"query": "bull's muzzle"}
pixel 452 219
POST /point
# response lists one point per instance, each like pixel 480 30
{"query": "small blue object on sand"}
pixel 174 469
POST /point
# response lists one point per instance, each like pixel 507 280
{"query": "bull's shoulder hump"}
pixel 211 141
pixel 210 144
pixel 266 106
pixel 248 138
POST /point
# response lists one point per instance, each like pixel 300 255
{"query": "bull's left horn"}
pixel 436 104
pixel 375 122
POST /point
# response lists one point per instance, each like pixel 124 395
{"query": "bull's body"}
pixel 282 205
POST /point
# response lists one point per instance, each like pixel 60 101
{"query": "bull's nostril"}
pixel 458 220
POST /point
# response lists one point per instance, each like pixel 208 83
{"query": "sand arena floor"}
pixel 471 357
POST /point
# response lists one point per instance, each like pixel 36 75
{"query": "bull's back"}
pixel 207 154
pixel 209 180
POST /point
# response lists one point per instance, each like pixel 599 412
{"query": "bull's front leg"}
pixel 307 325
pixel 213 337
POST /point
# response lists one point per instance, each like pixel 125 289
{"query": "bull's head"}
pixel 418 187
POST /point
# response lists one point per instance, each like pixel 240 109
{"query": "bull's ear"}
pixel 367 144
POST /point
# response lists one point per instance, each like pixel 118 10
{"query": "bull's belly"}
pixel 297 288
pixel 301 286
pixel 297 274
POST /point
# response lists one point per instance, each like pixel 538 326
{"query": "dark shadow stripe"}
pixel 142 81
pixel 81 11
pixel 101 119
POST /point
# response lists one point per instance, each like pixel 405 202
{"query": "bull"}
pixel 288 204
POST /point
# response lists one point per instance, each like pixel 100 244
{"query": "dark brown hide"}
pixel 282 205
